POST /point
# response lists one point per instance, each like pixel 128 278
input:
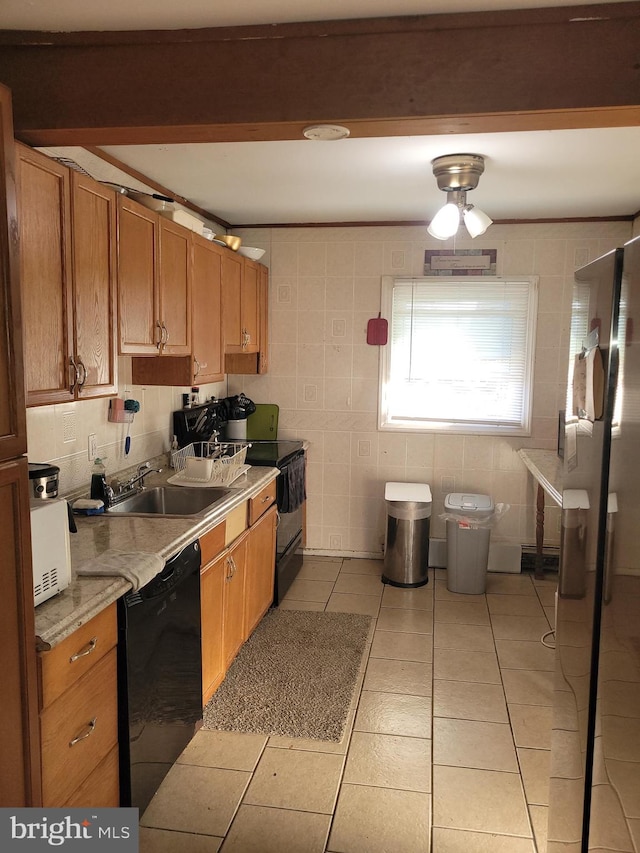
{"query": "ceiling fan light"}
pixel 475 220
pixel 445 223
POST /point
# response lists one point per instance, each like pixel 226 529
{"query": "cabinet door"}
pixel 213 579
pixel 19 747
pixel 138 308
pixel 207 312
pixel 45 266
pixel 175 288
pixel 249 307
pixel 231 302
pixel 234 634
pixel 260 570
pixel 93 209
pixel 13 429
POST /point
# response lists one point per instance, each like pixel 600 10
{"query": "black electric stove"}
pixel 273 453
pixel 288 457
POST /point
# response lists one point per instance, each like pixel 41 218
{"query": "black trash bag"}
pixel 239 407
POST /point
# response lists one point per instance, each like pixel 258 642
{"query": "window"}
pixel 460 355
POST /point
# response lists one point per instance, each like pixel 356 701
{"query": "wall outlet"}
pixel 335 542
pixel 448 484
pixel 92 446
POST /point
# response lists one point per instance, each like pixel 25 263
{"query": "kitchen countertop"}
pixel 547 469
pixel 86 596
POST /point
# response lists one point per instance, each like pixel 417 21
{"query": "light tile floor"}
pixel 447 748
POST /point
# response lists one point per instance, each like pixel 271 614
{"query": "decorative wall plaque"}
pixel 472 262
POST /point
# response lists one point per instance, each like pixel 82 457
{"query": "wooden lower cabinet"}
pixel 222 611
pixel 236 585
pixel 79 717
pixel 212 589
pixel 233 620
pixel 259 576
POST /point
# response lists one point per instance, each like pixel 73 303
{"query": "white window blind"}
pixel 460 354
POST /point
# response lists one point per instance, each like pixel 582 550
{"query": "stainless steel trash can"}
pixel 467 545
pixel 406 549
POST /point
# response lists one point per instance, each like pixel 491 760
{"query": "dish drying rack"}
pixel 209 463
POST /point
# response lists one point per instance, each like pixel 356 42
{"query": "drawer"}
pixel 261 502
pixel 101 789
pixel 76 654
pixel 78 730
pixel 212 543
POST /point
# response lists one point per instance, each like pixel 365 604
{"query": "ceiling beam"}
pixel 482 72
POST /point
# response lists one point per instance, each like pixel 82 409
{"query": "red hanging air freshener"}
pixel 377 331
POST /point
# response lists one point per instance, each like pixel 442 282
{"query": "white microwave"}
pixel 50 549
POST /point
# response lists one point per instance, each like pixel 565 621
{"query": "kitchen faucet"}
pixel 117 491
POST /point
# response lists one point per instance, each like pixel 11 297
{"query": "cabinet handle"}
pixel 161 341
pixel 87 650
pixel 73 380
pixel 165 332
pixel 267 498
pixel 228 575
pixel 90 727
pixel 234 568
pixel 246 338
pixel 197 365
pixel 84 374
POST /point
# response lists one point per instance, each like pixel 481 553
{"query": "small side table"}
pixel 546 468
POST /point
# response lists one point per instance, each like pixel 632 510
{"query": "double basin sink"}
pixel 171 501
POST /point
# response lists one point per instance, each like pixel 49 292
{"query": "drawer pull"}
pixel 90 727
pixel 266 498
pixel 90 647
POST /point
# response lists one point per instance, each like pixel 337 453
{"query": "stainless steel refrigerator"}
pixel 594 799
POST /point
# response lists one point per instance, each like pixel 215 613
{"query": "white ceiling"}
pixel 528 175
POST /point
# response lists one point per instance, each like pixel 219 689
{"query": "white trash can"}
pixel 406 549
pixel 467 543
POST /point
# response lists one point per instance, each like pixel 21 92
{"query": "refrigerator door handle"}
pixel 612 509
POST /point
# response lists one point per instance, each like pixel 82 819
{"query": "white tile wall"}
pixel 150 431
pixel 324 287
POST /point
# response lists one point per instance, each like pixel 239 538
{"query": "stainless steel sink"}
pixel 169 501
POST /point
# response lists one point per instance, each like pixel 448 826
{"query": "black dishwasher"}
pixel 159 675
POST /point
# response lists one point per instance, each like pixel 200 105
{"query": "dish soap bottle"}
pixel 174 447
pixel 98 479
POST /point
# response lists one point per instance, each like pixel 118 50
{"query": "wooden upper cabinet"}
pixel 246 312
pixel 175 287
pixel 207 312
pixel 138 307
pixel 68 270
pixel 240 299
pixel 154 281
pixel 45 266
pixel 93 216
pixel 13 430
pixel 232 277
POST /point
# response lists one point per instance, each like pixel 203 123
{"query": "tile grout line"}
pixel 513 739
